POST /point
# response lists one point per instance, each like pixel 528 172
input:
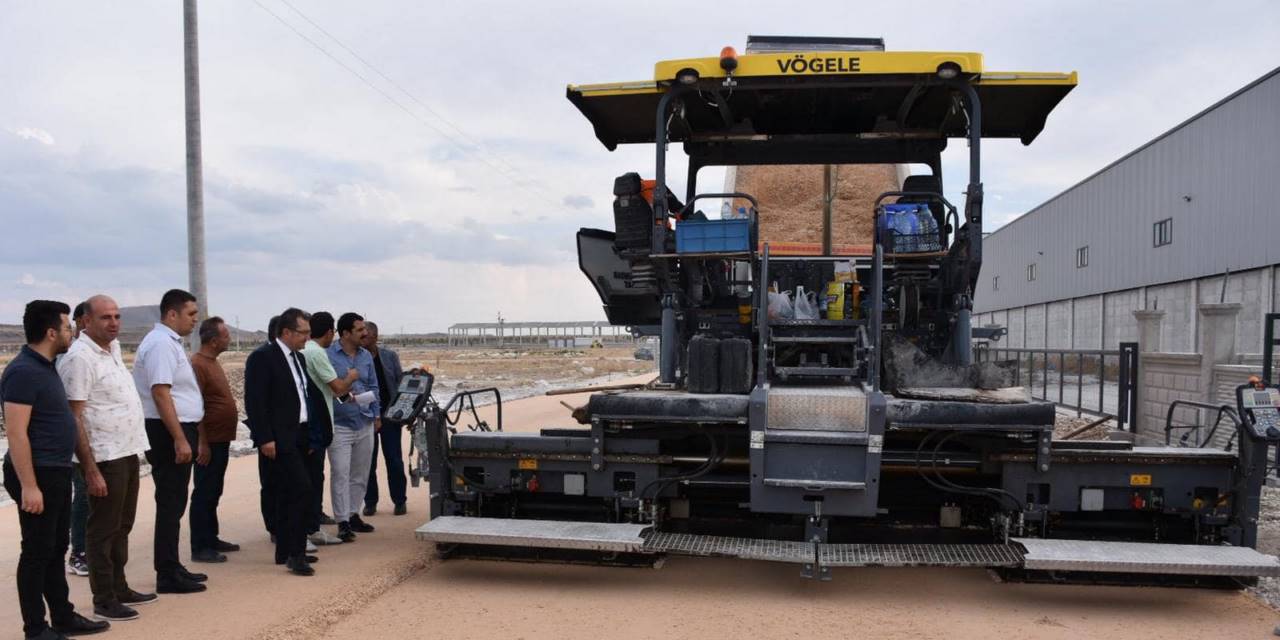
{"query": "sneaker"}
pixel 322 538
pixel 401 509
pixel 114 611
pixel 78 625
pixel 77 565
pixel 360 526
pixel 327 519
pixel 311 547
pixel 370 510
pixel 134 598
pixel 345 533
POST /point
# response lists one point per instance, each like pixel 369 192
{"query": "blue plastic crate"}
pixel 705 236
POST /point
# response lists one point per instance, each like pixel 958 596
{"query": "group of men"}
pixel 76 415
pixel 316 390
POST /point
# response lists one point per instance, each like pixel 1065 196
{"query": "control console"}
pixel 1259 407
pixel 411 397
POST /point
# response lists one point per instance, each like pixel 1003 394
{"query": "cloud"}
pixel 579 202
pixel 30 281
pixel 32 133
pixel 319 191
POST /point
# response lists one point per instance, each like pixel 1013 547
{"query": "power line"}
pixel 476 143
pixel 392 99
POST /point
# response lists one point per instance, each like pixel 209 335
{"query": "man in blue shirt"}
pixel 356 417
pixel 42 434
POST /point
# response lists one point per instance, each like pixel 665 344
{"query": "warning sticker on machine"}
pixel 528 464
pixel 1139 479
pixel 757 439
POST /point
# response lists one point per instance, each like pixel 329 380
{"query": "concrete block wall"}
pixel 1117 320
pixel 1086 323
pixel 1166 377
pixel 1017 327
pixel 1035 324
pixel 1249 288
pixel 1179 301
pixel 1060 324
pixel 1104 321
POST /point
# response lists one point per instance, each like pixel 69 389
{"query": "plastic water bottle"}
pixel 903 228
pixel 742 213
pixel 726 211
pixel 928 229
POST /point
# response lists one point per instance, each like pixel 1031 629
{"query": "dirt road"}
pixel 387 585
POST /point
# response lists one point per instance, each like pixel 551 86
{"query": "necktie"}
pixel 297 367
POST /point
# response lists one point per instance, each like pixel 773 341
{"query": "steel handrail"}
pixel 1223 410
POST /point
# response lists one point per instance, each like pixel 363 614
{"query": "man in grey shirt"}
pixel 172 405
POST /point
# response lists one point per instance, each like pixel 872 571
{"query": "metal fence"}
pixel 1094 381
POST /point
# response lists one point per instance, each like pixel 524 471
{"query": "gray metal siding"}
pixel 1226 159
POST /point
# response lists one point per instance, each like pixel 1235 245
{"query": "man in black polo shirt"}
pixel 42 435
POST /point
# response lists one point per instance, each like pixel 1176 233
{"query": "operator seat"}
pixel 632 214
pixel 931 184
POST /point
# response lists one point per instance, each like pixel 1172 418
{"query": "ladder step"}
pixel 548 534
pixel 1147 557
pixel 815 485
pixel 813 340
pixel 815 371
pixel 690 544
pixel 919 555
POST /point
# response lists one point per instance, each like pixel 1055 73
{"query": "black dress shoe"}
pixel 194 577
pixel 401 509
pixel 345 533
pixel 308 558
pixel 114 611
pixel 47 634
pixel 360 526
pixel 207 555
pixel 299 566
pixel 326 518
pixel 135 598
pixel 178 584
pixel 370 510
pixel 222 546
pixel 78 625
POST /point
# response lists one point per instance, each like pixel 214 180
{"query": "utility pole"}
pixel 195 177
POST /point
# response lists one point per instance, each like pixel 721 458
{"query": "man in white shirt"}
pixel 106 404
pixel 173 406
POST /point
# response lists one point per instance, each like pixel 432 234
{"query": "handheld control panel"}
pixel 1259 407
pixel 411 397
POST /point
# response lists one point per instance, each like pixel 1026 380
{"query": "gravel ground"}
pixel 1268 589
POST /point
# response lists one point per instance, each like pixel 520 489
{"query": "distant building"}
pixel 1155 229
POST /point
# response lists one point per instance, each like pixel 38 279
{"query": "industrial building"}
pixel 1156 229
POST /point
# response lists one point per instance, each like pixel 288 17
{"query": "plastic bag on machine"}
pixel 780 305
pixel 806 305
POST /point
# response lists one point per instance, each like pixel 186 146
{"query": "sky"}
pixel 418 162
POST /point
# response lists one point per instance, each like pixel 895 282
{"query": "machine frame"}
pixel 827 461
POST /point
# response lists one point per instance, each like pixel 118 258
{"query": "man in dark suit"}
pixel 277 394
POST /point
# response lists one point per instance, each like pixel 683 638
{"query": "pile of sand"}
pixel 791 200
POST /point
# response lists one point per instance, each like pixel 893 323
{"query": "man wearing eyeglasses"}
pixel 276 394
